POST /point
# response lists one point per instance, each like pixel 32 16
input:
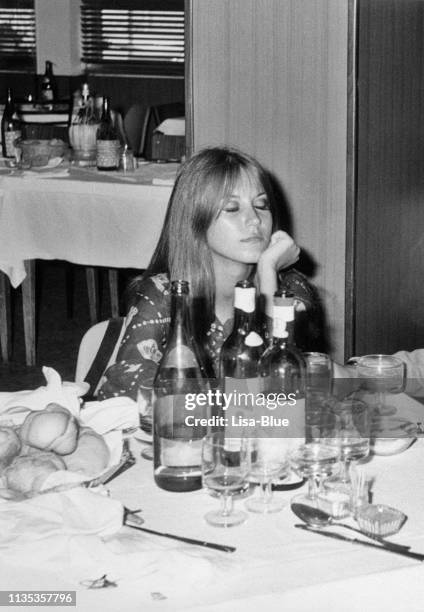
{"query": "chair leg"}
pixel 28 301
pixel 114 293
pixel 5 318
pixel 92 288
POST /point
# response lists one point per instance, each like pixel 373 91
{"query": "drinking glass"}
pixel 381 374
pixel 269 461
pixel 319 375
pixel 347 429
pixel 145 413
pixel 225 472
pixel 315 461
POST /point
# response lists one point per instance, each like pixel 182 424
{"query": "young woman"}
pixel 222 226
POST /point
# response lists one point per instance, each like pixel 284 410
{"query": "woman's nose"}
pixel 252 217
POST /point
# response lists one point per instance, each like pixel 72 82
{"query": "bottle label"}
pixel 177 443
pixel 108 153
pixel 9 138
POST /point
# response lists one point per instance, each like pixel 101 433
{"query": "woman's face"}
pixel 243 226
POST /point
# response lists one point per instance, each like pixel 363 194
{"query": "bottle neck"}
pixel 49 69
pixel 243 321
pixel 106 116
pixel 179 332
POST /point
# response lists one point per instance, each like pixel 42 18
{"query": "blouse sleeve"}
pixel 142 345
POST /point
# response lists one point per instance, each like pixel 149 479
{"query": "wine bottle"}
pixel 107 140
pixel 48 92
pixel 239 359
pixel 177 436
pixel 10 127
pixel 283 369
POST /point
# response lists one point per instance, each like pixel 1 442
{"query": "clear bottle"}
pixel 107 140
pixel 10 127
pixel 48 90
pixel 283 369
pixel 178 442
pixel 83 128
pixel 239 359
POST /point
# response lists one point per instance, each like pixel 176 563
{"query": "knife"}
pixel 338 536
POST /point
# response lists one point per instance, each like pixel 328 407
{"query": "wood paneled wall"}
pixel 389 271
pixel 270 77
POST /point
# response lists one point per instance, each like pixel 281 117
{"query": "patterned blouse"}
pixel 147 326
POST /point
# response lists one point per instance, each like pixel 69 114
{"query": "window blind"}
pixel 133 36
pixel 17 35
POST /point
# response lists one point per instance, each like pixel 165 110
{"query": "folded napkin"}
pixel 114 414
pixel 76 511
pixel 15 406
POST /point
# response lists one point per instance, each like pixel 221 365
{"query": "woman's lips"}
pixel 253 239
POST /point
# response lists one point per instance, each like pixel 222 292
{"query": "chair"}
pixel 98 350
pixel 140 122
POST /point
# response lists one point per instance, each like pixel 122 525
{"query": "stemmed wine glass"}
pixel 225 472
pixel 381 374
pixel 268 461
pixel 315 461
pixel 348 430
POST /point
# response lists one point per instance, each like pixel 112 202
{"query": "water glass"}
pixel 127 161
pixel 319 374
pixel 381 374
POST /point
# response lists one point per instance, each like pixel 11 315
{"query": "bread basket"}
pixel 36 153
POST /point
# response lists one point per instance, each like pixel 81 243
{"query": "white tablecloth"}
pixel 87 219
pixel 275 567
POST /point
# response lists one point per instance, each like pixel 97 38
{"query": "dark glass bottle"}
pixel 107 141
pixel 10 127
pixel 48 90
pixel 239 358
pixel 283 369
pixel 177 438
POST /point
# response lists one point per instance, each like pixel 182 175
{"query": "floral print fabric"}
pixel 146 332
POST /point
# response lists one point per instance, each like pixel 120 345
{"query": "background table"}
pixel 82 217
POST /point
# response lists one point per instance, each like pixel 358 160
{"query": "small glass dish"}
pixel 380 520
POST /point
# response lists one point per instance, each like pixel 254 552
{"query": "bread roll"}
pixel 26 474
pixel 10 446
pixel 91 455
pixel 52 429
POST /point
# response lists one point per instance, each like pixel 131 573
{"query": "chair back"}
pixel 98 349
pixel 141 121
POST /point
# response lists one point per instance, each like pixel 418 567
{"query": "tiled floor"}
pixel 59 334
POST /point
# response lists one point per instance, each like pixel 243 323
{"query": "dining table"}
pixel 79 215
pixel 275 566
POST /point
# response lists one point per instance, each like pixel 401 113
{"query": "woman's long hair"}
pixel 202 185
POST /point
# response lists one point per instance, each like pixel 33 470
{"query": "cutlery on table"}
pixel 220 547
pixel 315 517
pixel 338 536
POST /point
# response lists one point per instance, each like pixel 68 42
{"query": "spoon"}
pixel 318 518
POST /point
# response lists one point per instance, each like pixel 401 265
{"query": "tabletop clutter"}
pixel 59 454
pixel 96 134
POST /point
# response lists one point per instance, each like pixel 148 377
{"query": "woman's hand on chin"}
pixel 281 252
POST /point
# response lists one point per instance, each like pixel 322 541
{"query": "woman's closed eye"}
pixel 262 203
